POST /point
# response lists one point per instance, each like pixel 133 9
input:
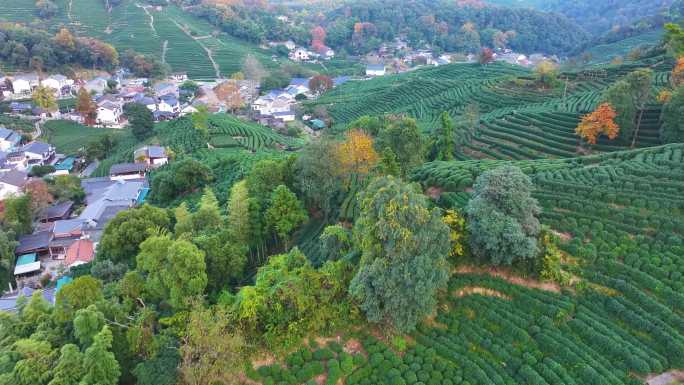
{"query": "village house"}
pixel 300 54
pixel 56 212
pixel 96 86
pixel 153 156
pixel 298 86
pixel 109 114
pixel 59 83
pixel 179 76
pixel 289 44
pixel 15 160
pixel 64 234
pixel 24 84
pixel 8 139
pixel 274 101
pixel 375 70
pixel 38 153
pixel 169 103
pixel 12 183
pixel 125 171
pixel 80 252
pixel 146 101
pixel 161 89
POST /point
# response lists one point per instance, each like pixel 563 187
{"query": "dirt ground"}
pixel 506 274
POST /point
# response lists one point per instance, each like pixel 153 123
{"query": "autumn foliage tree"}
pixel 319 84
pixel 356 154
pixel 600 122
pixel 229 93
pixel 486 56
pixel 86 107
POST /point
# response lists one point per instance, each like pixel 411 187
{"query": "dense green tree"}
pixel 208 217
pixel 503 224
pixel 99 364
pixel 124 233
pixel 212 350
pixel 291 299
pixel 69 369
pixel 674 38
pixel 388 164
pixel 75 295
pixel 285 213
pixel 318 176
pixel 225 259
pixel 180 178
pixel 403 136
pixel 672 130
pixel 7 246
pixel 404 247
pixel 34 364
pixel 238 213
pixel 618 95
pixel 336 242
pixel 140 119
pixel 17 215
pixel 87 323
pixel 176 270
pixel 161 369
pixel 66 187
pixel 640 91
pixel 370 124
pixel 265 176
pixel 445 143
pixel 183 217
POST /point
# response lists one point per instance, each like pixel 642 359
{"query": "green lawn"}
pixel 68 137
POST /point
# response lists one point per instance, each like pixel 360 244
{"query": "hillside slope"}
pixel 185 42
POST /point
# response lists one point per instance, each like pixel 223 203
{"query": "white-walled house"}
pixel 38 153
pixel 274 101
pixel 12 183
pixel 375 70
pixel 24 84
pixel 57 82
pixel 154 156
pixel 109 114
pixel 300 54
pixel 97 85
pixel 169 103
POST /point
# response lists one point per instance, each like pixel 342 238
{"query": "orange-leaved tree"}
pixel 678 73
pixel 600 122
pixel 356 154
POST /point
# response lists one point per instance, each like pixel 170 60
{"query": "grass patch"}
pixel 68 137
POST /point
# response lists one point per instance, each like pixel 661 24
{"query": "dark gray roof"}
pixel 58 210
pixel 33 242
pixel 126 168
pixel 37 147
pixel 14 178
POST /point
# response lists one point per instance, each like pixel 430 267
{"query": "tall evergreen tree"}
pixel 404 245
pixel 69 369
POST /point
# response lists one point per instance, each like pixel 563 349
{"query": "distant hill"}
pixel 598 17
pixel 185 42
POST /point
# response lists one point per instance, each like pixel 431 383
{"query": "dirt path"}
pixel 144 8
pixel 208 50
pixel 69 10
pixel 164 47
pixel 510 277
pixel 672 377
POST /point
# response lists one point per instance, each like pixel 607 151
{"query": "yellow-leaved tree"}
pixel 600 122
pixel 356 154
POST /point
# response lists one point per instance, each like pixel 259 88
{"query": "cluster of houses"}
pixel 277 107
pixel 21 86
pixel 65 235
pixel 302 54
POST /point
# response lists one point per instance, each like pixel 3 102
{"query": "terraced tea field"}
pixel 183 41
pixel 621 216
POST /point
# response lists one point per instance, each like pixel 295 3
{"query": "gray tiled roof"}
pixel 126 168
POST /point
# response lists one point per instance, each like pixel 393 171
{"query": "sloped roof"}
pixel 299 82
pixel 126 168
pixel 57 210
pixel 375 67
pixel 67 226
pixel 5 133
pixel 14 178
pixel 37 147
pixel 33 242
pixel 79 252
